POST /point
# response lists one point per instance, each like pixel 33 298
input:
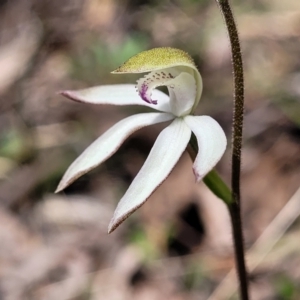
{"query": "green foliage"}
pixel 99 59
pixel 286 288
pixel 290 106
pixel 194 277
pixel 15 145
pixel 139 238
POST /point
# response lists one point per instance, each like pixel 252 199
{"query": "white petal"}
pixel 181 86
pixel 165 153
pixel 211 143
pixel 182 91
pixel 107 144
pixel 118 94
pixel 149 82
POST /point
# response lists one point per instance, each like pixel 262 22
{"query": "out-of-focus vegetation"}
pixel 177 246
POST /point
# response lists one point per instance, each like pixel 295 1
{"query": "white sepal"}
pixel 118 94
pixel 211 143
pixel 108 143
pixel 167 150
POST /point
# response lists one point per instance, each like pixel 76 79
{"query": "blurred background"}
pixel 178 245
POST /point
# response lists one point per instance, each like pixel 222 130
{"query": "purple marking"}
pixel 143 94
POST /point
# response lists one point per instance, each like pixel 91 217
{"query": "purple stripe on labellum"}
pixel 144 96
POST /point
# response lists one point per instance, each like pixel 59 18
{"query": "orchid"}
pixel 176 70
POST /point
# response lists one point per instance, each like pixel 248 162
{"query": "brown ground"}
pixel 177 246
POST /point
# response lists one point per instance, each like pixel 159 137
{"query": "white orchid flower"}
pixel 176 70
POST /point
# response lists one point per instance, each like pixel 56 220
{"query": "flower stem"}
pixel 216 184
pixel 237 134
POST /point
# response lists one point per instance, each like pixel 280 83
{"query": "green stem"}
pixel 237 134
pixel 216 184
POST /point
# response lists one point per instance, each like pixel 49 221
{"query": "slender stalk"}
pixel 237 134
pixel 236 222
